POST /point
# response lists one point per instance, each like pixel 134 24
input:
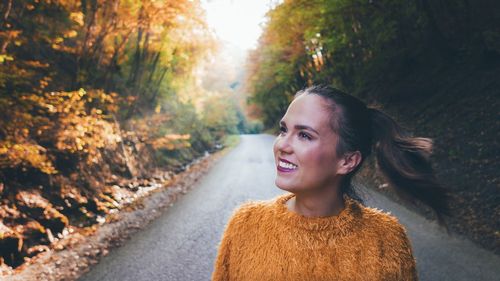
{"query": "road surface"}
pixel 182 243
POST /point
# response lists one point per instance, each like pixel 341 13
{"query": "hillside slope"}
pixel 457 107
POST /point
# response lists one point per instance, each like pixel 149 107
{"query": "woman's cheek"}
pixel 314 155
pixel 322 160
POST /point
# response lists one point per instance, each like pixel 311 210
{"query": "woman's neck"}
pixel 316 205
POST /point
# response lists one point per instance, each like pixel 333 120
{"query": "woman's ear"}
pixel 349 162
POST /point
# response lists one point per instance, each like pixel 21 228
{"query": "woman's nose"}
pixel 283 144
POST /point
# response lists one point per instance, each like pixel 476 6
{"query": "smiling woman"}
pixel 321 230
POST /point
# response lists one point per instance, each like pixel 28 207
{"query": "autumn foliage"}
pixel 89 107
pixel 368 48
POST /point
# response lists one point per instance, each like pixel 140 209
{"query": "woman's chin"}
pixel 284 186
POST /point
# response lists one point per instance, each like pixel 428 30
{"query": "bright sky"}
pixel 237 22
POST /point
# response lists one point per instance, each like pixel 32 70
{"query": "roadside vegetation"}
pixel 98 100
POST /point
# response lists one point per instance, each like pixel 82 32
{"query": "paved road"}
pixel 182 243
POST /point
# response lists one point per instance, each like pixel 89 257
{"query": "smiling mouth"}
pixel 286 166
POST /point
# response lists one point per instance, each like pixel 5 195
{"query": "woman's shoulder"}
pixel 383 224
pixel 254 208
pixel 385 228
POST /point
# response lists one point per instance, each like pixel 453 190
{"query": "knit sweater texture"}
pixel 264 240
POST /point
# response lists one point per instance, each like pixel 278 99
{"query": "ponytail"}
pixel 404 161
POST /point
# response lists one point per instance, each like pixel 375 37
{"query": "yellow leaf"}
pixel 81 92
pixel 70 34
pixel 77 17
pixel 5 58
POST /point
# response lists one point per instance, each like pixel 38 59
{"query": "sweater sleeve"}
pixel 399 261
pixel 221 268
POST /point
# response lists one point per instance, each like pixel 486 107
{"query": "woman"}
pixel 320 230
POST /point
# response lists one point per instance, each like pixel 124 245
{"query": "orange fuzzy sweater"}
pixel 266 241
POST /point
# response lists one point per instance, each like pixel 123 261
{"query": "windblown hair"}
pixel 403 159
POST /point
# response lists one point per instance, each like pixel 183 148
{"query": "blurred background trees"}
pixel 131 57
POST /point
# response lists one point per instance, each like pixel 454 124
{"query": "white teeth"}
pixel 287 165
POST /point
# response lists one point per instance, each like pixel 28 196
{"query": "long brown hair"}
pixel 403 159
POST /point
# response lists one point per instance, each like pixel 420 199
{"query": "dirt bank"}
pixel 71 256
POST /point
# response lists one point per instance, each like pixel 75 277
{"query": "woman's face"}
pixel 304 151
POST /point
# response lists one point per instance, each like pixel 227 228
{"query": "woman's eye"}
pixel 304 136
pixel 282 130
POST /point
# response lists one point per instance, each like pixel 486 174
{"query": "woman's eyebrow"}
pixel 300 127
pixel 304 127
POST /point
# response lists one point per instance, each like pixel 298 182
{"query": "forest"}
pixel 95 99
pixel 434 65
pixel 100 97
